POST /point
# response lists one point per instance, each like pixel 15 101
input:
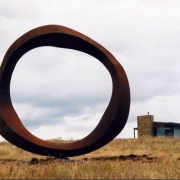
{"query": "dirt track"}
pixel 132 157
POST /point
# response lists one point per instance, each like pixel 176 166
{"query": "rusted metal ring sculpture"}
pixel 113 119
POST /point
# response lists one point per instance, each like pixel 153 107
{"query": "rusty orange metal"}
pixel 113 119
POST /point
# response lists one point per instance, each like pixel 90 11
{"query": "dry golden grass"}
pixel 165 166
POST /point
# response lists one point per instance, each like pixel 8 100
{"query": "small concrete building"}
pixel 147 127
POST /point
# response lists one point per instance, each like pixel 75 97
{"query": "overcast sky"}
pixel 63 93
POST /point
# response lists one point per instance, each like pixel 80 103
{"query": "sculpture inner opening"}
pixel 57 93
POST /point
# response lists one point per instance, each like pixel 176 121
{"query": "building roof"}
pixel 173 123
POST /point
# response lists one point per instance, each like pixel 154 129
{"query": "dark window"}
pixel 165 131
pixel 169 132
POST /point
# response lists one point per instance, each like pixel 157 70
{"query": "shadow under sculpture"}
pixel 113 119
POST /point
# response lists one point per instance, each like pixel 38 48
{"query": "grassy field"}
pixel 157 157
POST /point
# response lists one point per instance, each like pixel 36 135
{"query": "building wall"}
pixel 145 125
pixel 176 132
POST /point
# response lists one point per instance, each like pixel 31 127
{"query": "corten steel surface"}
pixel 113 119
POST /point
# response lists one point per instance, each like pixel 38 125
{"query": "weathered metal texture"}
pixel 113 119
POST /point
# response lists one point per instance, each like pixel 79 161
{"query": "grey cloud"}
pixel 77 126
pixel 60 78
pixel 19 9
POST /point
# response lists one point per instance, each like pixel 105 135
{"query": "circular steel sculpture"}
pixel 113 119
